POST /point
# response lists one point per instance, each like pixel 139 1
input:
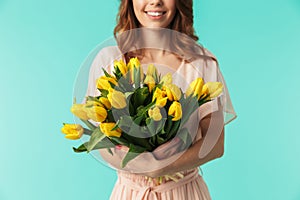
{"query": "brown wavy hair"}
pixel 182 22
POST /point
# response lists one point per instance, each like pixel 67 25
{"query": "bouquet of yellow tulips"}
pixel 137 110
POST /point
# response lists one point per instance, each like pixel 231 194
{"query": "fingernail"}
pixel 124 148
pixel 118 147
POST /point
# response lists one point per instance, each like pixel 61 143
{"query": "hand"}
pixel 167 149
pixel 122 147
pixel 144 162
pixel 153 163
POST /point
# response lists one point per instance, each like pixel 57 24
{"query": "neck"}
pixel 155 38
pixel 155 41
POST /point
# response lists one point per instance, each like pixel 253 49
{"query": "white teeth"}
pixel 155 13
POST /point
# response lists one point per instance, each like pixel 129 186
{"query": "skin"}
pixel 189 158
pixel 141 7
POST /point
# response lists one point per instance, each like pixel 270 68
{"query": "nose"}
pixel 156 2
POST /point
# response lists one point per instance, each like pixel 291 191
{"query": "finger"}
pixel 125 148
pixel 174 149
pixel 162 147
pixel 174 144
pixel 171 151
pixel 167 149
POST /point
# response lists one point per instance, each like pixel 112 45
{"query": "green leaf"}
pixel 140 95
pixel 137 77
pixel 110 116
pixel 153 142
pixel 124 85
pixel 160 125
pixel 169 123
pixel 191 106
pixel 119 140
pixel 145 132
pixel 144 110
pixel 134 151
pixel 140 110
pixel 127 94
pixel 137 120
pixel 160 140
pixel 112 85
pixel 96 137
pixel 151 126
pixel 105 143
pixel 106 73
pixel 135 137
pixel 116 126
pixel 173 130
pixel 81 148
pixel 156 126
pixel 124 123
pixel 91 98
pixel 203 100
pixel 104 92
pixel 132 109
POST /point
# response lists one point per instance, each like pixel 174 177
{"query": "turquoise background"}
pixel 42 45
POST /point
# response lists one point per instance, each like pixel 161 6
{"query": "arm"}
pixel 190 158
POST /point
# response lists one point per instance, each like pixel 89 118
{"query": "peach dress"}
pixel 132 186
pixel 137 187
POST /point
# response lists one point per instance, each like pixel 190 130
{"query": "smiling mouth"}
pixel 155 14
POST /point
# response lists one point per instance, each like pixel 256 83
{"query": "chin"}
pixel 154 26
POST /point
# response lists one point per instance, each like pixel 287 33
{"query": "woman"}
pixel 206 125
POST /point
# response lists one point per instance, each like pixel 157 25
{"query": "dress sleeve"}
pixel 103 59
pixel 212 73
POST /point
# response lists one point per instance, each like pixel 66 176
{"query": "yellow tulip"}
pixel 173 92
pixel 151 70
pixel 166 79
pixel 116 98
pixel 135 63
pixel 72 131
pixel 213 89
pixel 106 129
pixel 90 103
pixel 105 102
pixel 175 110
pixel 121 66
pixel 103 82
pixel 79 111
pixel 149 80
pixel 97 113
pixel 160 96
pixel 158 93
pixel 161 102
pixel 195 88
pixel 155 113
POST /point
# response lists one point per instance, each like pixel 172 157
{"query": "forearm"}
pixel 190 158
